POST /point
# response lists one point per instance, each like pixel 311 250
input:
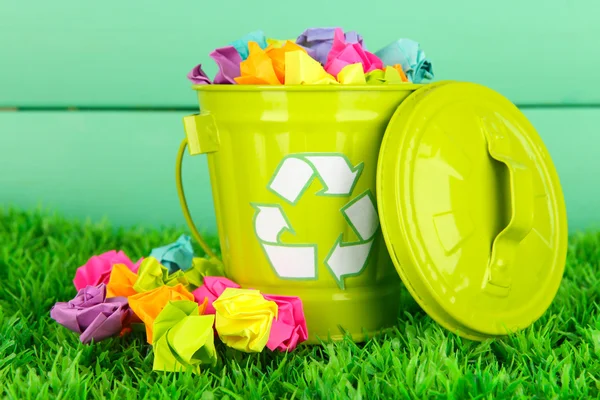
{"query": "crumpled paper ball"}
pixel 183 338
pixel 197 76
pixel 277 54
pixel 147 305
pixel 391 75
pixel 318 41
pixel 268 66
pixel 228 60
pixel 97 269
pixel 241 45
pixel 175 256
pixel 201 267
pixel 208 267
pixel 211 289
pixel 289 329
pixel 344 53
pixel 301 69
pixel 121 281
pixel 409 55
pixel 257 68
pixel 92 315
pixel 153 274
pixel 277 42
pixel 244 318
pixel 352 74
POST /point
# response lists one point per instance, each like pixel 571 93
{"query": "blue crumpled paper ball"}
pixel 241 45
pixel 409 55
pixel 175 256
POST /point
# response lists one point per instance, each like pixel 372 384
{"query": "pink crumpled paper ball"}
pixel 344 53
pixel 211 289
pixel 289 329
pixel 98 268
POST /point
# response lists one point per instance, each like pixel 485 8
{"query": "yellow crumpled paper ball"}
pixel 244 319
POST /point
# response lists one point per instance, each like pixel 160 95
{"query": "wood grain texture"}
pixel 136 53
pixel 120 165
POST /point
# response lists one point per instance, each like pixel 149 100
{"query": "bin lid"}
pixel 471 209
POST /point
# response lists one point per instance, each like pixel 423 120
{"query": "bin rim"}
pixel 310 88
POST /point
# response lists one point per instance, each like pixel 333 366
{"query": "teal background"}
pixel 92 94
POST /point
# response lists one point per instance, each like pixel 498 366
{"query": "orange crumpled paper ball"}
pixel 148 305
pixel 266 67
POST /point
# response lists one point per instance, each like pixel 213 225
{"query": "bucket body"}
pixel 293 175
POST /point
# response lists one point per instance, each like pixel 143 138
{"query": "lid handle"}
pixel 506 148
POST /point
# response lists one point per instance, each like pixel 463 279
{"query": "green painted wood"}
pixel 120 165
pixel 116 53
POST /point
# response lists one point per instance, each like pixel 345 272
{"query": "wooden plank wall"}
pixel 93 93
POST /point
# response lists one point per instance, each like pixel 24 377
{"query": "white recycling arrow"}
pixel 348 259
pixel 288 261
pixel 337 175
pixel 293 262
pixel 295 173
pixel 269 223
pixel 292 177
pixel 362 216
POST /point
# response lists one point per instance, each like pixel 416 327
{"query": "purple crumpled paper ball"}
pixel 318 41
pixel 197 76
pixel 228 59
pixel 92 315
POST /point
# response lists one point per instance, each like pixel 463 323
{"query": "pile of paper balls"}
pixel 183 301
pixel 317 56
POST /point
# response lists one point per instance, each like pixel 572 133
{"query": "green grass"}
pixel 558 357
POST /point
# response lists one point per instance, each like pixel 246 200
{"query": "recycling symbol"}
pixel 338 177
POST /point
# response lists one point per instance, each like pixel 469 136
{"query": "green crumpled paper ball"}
pixel 183 338
pixel 153 274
